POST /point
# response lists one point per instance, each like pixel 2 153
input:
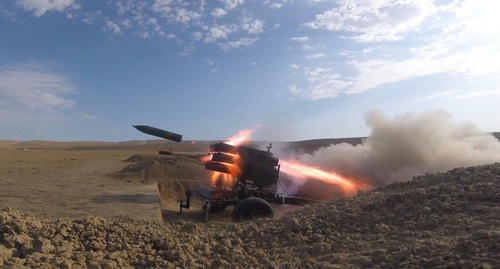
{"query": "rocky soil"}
pixel 446 220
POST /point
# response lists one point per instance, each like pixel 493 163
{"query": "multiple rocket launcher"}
pixel 254 170
pixel 252 166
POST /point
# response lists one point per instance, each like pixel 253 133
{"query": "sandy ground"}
pixel 68 183
pixel 59 183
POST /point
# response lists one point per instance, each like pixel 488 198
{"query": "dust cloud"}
pixel 406 146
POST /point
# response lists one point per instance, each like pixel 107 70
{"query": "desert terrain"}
pixel 53 180
pixel 96 205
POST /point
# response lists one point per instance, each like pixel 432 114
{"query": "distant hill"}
pixel 158 144
pixel 306 146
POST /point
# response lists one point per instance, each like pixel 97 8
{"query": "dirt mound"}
pixel 176 173
pixel 156 168
pixel 436 220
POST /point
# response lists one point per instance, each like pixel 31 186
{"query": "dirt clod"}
pixel 434 220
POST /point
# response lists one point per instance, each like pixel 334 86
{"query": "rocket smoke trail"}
pixel 406 146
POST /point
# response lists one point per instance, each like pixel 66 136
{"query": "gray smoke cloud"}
pixel 406 146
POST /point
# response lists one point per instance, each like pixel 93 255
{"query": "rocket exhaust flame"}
pixel 224 162
pixel 219 179
pixel 303 173
pixel 242 137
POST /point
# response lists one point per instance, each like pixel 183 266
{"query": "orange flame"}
pixel 228 180
pixel 305 172
pixel 206 158
pixel 241 137
pixel 221 180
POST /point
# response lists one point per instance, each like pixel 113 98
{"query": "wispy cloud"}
pixel 88 117
pixel 315 56
pixel 456 94
pixel 274 4
pixel 325 83
pixel 439 95
pixel 374 21
pixel 187 21
pixel 40 7
pixel 231 4
pixel 242 42
pixel 218 12
pixel 113 27
pixel 32 89
pixel 301 39
pixel 252 26
pixel 474 94
pixel 218 32
pixel 457 44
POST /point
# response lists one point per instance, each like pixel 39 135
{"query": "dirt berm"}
pixel 446 220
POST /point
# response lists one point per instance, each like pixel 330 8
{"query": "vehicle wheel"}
pixel 252 208
pixel 217 206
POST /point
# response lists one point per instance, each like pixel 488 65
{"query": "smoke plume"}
pixel 406 146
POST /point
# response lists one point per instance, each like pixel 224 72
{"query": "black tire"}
pixel 252 208
pixel 217 206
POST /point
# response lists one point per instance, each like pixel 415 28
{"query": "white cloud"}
pixel 455 94
pixel 231 4
pixel 88 117
pixel 459 41
pixel 176 11
pixel 273 4
pixel 276 3
pixel 374 73
pixel 127 23
pixel 325 83
pixel 476 62
pixel 218 12
pixel 197 36
pixel 218 32
pixel 242 42
pixel 183 15
pixel 40 7
pixel 92 17
pixel 124 7
pixel 440 95
pixel 375 20
pixel 469 63
pixel 308 47
pixel 252 26
pixel 161 19
pixel 171 37
pixel 315 56
pixel 301 39
pixel 295 90
pixel 306 43
pixel 474 94
pixel 113 27
pixel 33 87
pixel 162 6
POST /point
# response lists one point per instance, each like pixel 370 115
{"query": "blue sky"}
pixel 88 70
